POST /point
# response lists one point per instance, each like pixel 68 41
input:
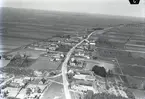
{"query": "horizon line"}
pixel 73 12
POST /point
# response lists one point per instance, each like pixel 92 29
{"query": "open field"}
pixel 30 52
pixel 132 70
pixel 17 71
pixel 139 94
pixel 43 63
pixel 136 83
pixel 54 91
pixel 105 64
pixel 4 63
pixel 122 56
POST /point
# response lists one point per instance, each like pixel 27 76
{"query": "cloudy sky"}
pixel 110 7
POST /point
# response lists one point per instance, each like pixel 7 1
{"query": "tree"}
pixel 28 91
pixel 144 87
pixel 39 90
pixel 99 71
pixel 43 80
pixel 95 57
pixel 89 95
pixel 110 73
pixel 6 94
pixel 129 54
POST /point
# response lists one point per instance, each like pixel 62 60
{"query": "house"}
pixel 76 63
pixel 80 47
pixel 12 92
pixel 79 77
pixel 82 88
pixel 40 49
pixel 81 85
pixel 52 48
pixel 84 72
pixel 90 78
pixel 84 77
pixel 18 82
pixel 82 54
pixel 92 43
pixel 38 73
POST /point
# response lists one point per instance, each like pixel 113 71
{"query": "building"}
pixel 82 54
pixel 84 72
pixel 17 83
pixel 81 85
pixel 92 42
pixel 38 73
pixel 52 48
pixel 12 92
pixel 84 77
pixel 76 63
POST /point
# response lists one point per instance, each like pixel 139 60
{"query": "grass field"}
pixel 43 63
pixel 133 70
pixel 31 53
pixel 54 91
pixel 106 64
pixel 139 94
pixel 4 63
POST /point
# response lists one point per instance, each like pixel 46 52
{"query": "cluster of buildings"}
pixel 43 46
pixel 85 49
pixel 82 54
pixel 23 87
pixel 74 63
pixel 82 81
pixel 101 86
pixel 118 91
pixel 54 56
pixel 53 45
pixel 12 86
pixel 52 48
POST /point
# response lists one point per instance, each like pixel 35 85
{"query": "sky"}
pixel 109 7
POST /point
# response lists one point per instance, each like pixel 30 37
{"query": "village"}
pixel 29 72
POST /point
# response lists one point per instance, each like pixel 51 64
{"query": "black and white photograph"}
pixel 72 49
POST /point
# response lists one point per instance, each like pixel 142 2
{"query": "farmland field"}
pixel 132 70
pixel 19 28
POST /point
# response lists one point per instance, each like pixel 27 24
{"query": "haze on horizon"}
pixel 109 7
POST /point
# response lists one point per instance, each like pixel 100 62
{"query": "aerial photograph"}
pixel 72 49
